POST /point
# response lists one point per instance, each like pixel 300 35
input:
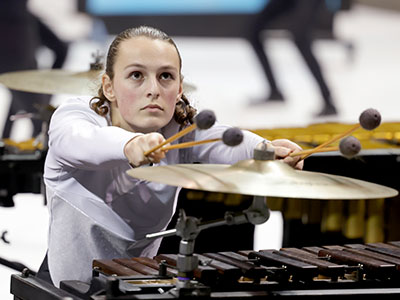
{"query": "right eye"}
pixel 136 75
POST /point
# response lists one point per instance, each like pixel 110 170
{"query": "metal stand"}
pixel 11 264
pixel 189 227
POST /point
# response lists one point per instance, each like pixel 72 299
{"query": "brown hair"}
pixel 184 112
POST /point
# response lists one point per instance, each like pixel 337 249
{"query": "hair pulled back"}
pixel 184 112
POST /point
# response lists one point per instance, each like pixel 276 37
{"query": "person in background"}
pixel 303 16
pixel 22 33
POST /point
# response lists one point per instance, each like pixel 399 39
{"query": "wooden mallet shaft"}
pixel 204 120
pixel 190 144
pixel 315 150
pixel 334 139
pixel 172 138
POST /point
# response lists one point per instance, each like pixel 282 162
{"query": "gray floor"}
pixel 227 77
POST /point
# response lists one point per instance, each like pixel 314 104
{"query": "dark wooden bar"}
pixel 313 250
pixel 384 245
pixel 372 267
pixel 248 269
pixel 383 249
pixel 136 266
pixel 170 259
pixel 379 256
pixel 152 263
pixel 202 272
pixel 325 268
pixel 110 267
pixel 226 271
pixel 236 255
pixel 298 269
pixel 395 243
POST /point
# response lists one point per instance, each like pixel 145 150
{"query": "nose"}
pixel 153 91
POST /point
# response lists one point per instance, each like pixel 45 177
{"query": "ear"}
pixel 180 92
pixel 108 90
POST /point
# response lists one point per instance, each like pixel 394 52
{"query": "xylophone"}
pixel 319 271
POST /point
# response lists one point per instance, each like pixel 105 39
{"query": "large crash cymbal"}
pixel 271 178
pixel 53 81
pixel 56 81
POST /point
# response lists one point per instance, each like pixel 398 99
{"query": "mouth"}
pixel 152 107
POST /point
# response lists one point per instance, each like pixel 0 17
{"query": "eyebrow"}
pixel 166 67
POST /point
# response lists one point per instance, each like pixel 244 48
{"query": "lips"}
pixel 152 106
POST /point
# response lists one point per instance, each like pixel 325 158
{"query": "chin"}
pixel 151 127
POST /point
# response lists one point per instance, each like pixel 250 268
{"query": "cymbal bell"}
pixel 56 81
pixel 271 178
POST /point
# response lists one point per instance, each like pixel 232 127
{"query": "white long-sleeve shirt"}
pixel 97 211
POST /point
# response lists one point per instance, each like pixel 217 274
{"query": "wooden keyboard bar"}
pixel 245 252
pixel 313 250
pixel 373 267
pixel 154 264
pixel 206 273
pixel 384 250
pixel 228 271
pixel 377 250
pixel 234 255
pixel 375 255
pixel 248 269
pixel 395 243
pixel 170 259
pixel 110 267
pixel 298 269
pixel 384 245
pixel 324 267
pixel 355 246
pixel 136 266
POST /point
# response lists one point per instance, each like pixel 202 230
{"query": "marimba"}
pixel 325 271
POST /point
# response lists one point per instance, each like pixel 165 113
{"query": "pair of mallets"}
pixel 204 120
pixel 348 146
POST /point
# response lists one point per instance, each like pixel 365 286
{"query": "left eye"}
pixel 166 75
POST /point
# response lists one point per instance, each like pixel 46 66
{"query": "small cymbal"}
pixel 56 81
pixel 53 81
pixel 271 178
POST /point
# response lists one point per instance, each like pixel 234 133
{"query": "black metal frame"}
pixel 27 287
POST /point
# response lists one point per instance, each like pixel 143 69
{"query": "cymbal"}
pixel 271 178
pixel 56 81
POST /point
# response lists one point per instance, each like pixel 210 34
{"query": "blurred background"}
pixel 321 63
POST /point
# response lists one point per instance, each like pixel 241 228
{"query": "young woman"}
pixel 96 210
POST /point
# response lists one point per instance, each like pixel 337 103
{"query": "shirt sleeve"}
pixel 80 138
pixel 218 152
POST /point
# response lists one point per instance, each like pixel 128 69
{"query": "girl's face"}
pixel 146 85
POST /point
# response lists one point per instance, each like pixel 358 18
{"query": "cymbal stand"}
pixel 189 227
pixel 8 263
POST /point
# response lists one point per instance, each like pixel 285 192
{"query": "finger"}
pixel 154 139
pixel 150 141
pixel 290 161
pixel 286 144
pixel 156 156
pixel 299 165
pixel 282 151
pixel 295 162
pixel 136 156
